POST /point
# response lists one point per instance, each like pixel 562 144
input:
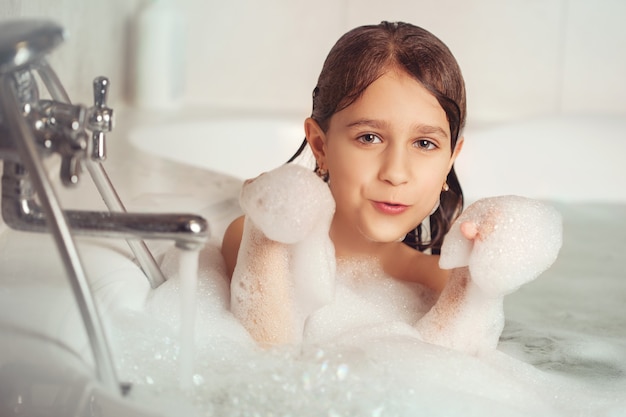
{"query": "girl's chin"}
pixel 380 238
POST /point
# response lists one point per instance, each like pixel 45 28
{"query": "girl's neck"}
pixel 353 244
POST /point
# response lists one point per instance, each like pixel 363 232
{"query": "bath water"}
pixel 376 370
pixel 188 277
pixel 379 368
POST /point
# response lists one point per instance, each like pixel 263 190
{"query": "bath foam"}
pixel 212 297
pixel 378 369
pixel 521 238
pixel 371 363
pixel 275 203
pixel 364 297
pixel 286 256
pixel 495 246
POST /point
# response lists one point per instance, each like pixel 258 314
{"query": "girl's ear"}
pixel 316 138
pixel 457 151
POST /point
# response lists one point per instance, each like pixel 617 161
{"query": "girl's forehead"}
pixel 395 98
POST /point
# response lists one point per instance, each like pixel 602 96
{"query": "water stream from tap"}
pixel 188 273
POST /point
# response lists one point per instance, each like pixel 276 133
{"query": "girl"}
pixel 385 128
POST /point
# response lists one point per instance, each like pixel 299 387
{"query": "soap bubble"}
pixel 285 255
pixel 361 356
pixel 521 238
pixel 274 202
pixel 370 364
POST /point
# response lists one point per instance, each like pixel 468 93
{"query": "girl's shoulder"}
pixel 231 243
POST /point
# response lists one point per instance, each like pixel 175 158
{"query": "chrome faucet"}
pixel 57 126
pixel 32 128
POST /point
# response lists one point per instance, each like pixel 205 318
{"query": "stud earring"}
pixel 445 187
pixel 322 173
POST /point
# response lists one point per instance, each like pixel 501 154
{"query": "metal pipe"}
pixel 113 202
pixel 103 183
pixel 52 82
pixel 58 226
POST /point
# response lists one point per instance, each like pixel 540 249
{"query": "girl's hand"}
pixel 505 241
pixel 279 202
pixel 469 230
pixel 482 228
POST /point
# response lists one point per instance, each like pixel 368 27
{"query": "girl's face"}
pixel 388 155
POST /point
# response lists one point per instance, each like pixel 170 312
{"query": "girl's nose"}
pixel 394 166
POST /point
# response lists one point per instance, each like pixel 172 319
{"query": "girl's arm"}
pixel 261 293
pixel 282 232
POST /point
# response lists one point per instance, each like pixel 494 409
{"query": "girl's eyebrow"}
pixel 382 124
pixel 429 129
pixel 377 124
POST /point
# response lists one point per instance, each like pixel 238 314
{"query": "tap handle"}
pixel 101 118
pixel 70 170
pixel 100 91
pixel 72 152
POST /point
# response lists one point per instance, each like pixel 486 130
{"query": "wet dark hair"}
pixel 359 58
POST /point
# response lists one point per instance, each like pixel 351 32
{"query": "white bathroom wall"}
pixel 96 43
pixel 594 57
pixel 252 54
pixel 520 58
pixel 507 49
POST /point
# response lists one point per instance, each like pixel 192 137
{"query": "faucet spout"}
pixel 21 211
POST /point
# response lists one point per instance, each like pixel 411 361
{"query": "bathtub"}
pixel 562 353
pixel 242 148
pixel 566 159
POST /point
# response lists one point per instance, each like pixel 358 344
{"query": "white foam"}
pixel 495 246
pixel 377 369
pixel 524 238
pixel 274 203
pixel 285 266
pixel 362 356
pixel 364 297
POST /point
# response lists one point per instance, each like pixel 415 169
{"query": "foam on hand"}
pixel 285 266
pixel 518 238
pixel 286 204
pixel 495 246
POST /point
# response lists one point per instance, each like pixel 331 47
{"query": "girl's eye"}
pixel 369 138
pixel 425 144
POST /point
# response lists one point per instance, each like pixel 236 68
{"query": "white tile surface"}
pixel 507 50
pixel 595 57
pixel 96 45
pixel 258 54
pixel 520 58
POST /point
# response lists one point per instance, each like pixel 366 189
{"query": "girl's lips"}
pixel 389 208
